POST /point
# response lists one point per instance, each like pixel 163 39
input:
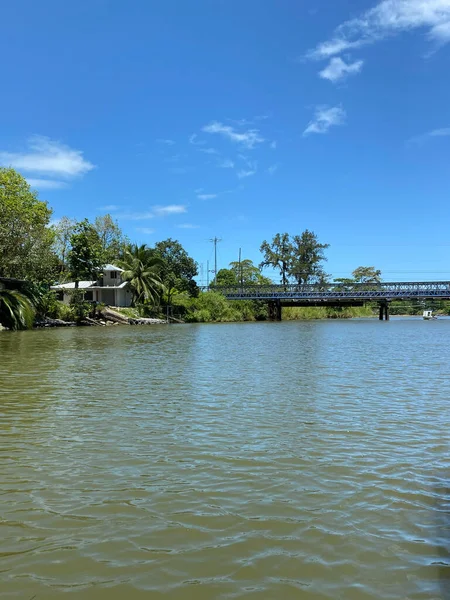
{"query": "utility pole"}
pixel 215 240
pixel 240 269
pixel 207 274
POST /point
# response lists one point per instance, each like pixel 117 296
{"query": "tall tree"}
pixel 179 268
pixel 278 255
pixel 63 229
pixel 307 258
pixel 367 275
pixel 247 273
pixel 85 258
pixel 25 236
pixel 111 236
pixel 143 272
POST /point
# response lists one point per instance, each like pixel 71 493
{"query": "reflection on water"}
pixel 270 460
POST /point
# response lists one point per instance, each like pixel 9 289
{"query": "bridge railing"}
pixel 386 290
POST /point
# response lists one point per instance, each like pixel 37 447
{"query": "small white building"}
pixel 109 289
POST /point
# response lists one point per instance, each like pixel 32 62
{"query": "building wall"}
pixel 110 281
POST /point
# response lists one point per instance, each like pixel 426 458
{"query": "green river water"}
pixel 264 461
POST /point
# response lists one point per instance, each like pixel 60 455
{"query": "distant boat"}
pixel 428 315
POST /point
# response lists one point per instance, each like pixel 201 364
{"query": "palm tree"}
pixel 142 271
pixel 16 310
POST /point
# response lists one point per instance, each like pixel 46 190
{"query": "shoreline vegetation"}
pixel 37 253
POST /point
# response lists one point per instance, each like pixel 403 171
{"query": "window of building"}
pixel 113 274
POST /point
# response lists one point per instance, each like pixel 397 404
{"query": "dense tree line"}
pixel 41 253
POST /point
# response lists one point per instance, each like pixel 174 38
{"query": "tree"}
pixel 278 255
pixel 367 275
pixel 246 273
pixel 179 268
pixel 143 272
pixel 16 310
pixel 25 237
pixel 63 230
pixel 307 258
pixel 225 278
pixel 85 258
pixel 111 236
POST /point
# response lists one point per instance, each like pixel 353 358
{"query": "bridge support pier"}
pixel 275 310
pixel 384 311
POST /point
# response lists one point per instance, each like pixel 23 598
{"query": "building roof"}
pixel 82 285
pixel 112 268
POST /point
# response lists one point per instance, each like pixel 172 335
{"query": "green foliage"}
pixel 299 257
pixel 143 272
pixel 307 258
pixel 278 255
pixel 80 308
pixel 211 307
pixel 366 275
pixel 63 231
pixel 85 258
pixel 25 238
pixel 16 310
pixel 111 237
pixel 179 268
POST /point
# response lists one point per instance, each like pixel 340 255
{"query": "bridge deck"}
pixel 339 293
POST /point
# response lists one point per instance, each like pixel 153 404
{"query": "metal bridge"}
pixel 338 294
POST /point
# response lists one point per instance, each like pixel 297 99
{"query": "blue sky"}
pixel 239 119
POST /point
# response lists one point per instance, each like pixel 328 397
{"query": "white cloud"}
pixel 206 196
pixel 46 184
pixel 110 207
pixel 208 150
pixel 389 17
pixel 171 209
pixel 249 138
pixel 418 139
pixel 188 226
pixel 226 163
pixel 338 69
pixel 440 132
pixel 166 142
pixel 146 230
pixel 155 211
pixel 242 174
pixel 193 139
pixel 48 157
pixel 271 170
pixel 324 118
pixel 144 216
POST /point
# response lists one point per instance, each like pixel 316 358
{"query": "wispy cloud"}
pixel 246 122
pixel 171 209
pixel 273 144
pixel 325 117
pixel 242 174
pixel 387 18
pixel 272 169
pixel 180 170
pixel 226 163
pixel 155 211
pixel 188 226
pixel 206 196
pixel 110 207
pixel 208 150
pixel 48 157
pixel 46 184
pixel 193 139
pixel 435 133
pixel 146 230
pixel 338 69
pixel 249 139
pixel 166 142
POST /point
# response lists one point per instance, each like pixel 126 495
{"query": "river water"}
pixel 262 461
